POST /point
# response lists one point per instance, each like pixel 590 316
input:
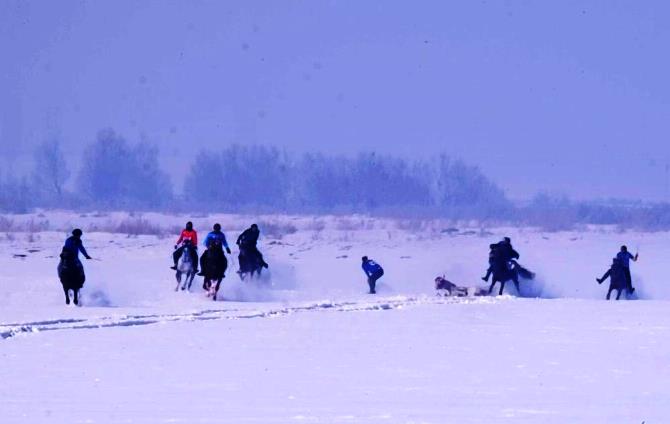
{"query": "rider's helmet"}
pixel 254 227
pixel 77 232
pixel 217 227
pixel 507 240
pixel 624 248
pixel 189 226
pixel 364 258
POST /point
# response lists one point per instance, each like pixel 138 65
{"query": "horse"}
pixel 503 272
pixel 71 275
pixel 444 287
pixel 215 270
pixel 185 266
pixel 251 262
pixel 617 279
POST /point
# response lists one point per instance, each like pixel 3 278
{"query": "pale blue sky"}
pixel 563 96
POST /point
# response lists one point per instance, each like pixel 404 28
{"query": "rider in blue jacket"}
pixel 374 271
pixel 73 245
pixel 214 237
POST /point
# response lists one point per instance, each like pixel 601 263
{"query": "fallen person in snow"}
pixel 445 287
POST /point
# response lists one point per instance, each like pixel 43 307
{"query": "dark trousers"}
pixel 372 280
pixel 177 254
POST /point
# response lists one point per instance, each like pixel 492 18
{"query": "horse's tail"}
pixel 525 273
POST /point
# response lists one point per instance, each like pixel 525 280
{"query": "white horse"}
pixel 187 267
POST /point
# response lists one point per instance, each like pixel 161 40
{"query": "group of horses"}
pixel 214 267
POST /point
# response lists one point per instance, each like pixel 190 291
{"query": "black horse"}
pixel 71 275
pixel 215 270
pixel 617 277
pixel 503 272
pixel 251 262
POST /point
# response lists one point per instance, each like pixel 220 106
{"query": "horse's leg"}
pixel 186 277
pixel 609 292
pixel 190 280
pixel 493 283
pixel 67 295
pixel 75 296
pixel 502 287
pixel 216 289
pixel 618 293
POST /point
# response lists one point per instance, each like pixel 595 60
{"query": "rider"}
pixel 187 235
pixel 374 271
pixel 492 259
pixel 505 251
pixel 73 245
pixel 215 236
pixel 501 252
pixel 247 242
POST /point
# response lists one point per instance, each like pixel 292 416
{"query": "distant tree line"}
pixel 115 174
pixel 266 179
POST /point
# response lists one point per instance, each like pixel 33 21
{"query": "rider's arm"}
pixel 224 242
pixel 195 239
pixel 83 251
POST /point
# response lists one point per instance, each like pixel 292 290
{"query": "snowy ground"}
pixel 314 347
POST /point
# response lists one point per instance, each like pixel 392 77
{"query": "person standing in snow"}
pixel 374 272
pixel 215 236
pixel 187 235
pixel 624 257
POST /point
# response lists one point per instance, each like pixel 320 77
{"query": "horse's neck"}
pixel 186 256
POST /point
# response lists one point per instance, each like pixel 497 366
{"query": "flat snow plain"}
pixel 313 347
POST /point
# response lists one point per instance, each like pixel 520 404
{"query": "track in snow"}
pixel 13 329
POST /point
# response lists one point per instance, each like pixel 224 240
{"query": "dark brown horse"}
pixel 71 275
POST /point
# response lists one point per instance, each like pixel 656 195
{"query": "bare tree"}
pixel 51 172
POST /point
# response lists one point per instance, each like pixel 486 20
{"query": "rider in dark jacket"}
pixel 247 242
pixel 501 252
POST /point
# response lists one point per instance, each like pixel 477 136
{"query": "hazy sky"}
pixel 562 96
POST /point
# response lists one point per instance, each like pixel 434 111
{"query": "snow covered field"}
pixel 314 347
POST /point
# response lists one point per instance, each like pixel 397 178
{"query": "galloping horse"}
pixel 251 262
pixel 185 266
pixel 71 275
pixel 504 272
pixel 215 270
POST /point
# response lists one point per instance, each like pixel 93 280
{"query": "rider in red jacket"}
pixel 188 235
